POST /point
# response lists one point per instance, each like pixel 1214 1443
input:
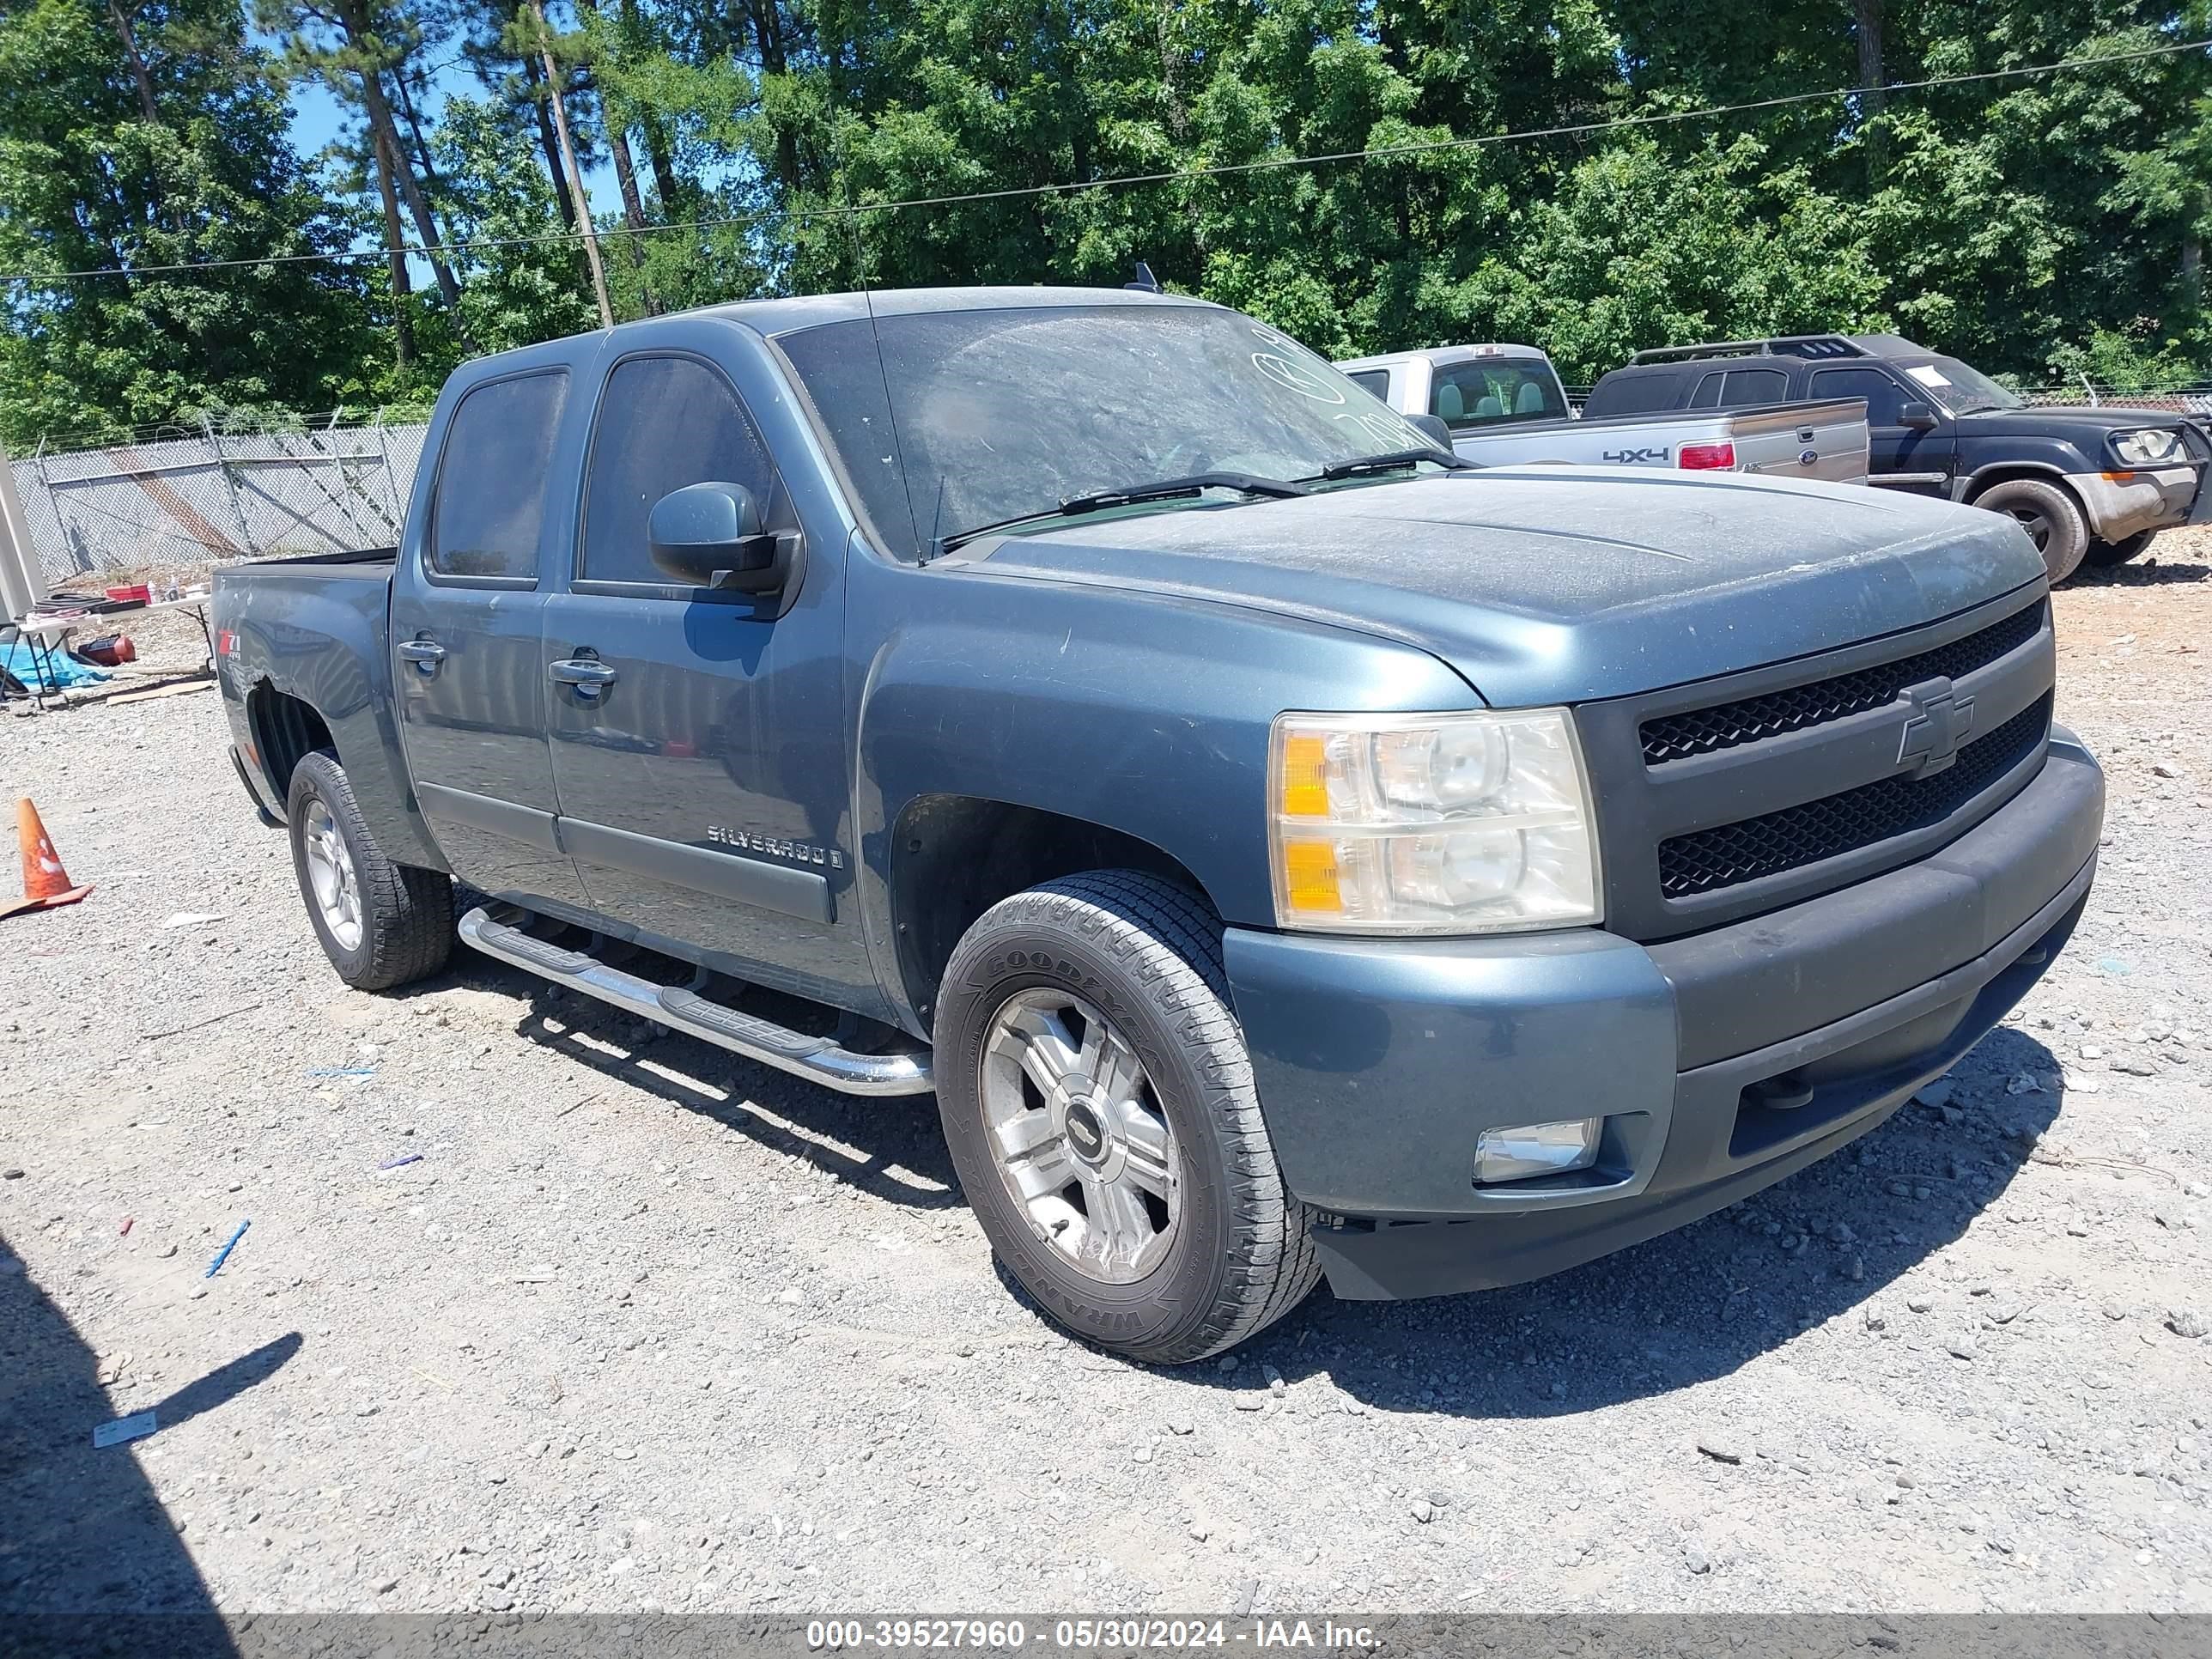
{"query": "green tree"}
pixel 136 137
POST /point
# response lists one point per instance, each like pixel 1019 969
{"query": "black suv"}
pixel 2086 483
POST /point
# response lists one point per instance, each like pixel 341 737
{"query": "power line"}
pixel 1422 147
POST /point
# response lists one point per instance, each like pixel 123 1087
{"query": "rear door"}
pixel 467 607
pixel 702 780
pixel 1898 456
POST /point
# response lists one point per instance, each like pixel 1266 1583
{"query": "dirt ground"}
pixel 644 1326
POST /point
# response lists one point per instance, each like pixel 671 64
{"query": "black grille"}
pixel 1799 835
pixel 1704 731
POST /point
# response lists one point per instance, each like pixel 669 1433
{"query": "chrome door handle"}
pixel 587 674
pixel 425 655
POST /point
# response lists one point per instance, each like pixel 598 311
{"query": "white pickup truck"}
pixel 1504 405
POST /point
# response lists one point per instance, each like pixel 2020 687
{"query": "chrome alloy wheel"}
pixel 331 874
pixel 1078 1136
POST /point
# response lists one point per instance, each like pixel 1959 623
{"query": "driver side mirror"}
pixel 710 535
pixel 1917 416
pixel 1432 427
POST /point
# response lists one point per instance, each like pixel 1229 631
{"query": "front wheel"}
pixel 2105 555
pixel 1098 1101
pixel 381 924
pixel 2052 518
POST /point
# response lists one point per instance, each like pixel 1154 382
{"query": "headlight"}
pixel 2148 447
pixel 1431 824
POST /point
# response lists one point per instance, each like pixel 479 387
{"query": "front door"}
pixel 1899 457
pixel 467 614
pixel 698 750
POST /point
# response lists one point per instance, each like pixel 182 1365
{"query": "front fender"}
pixel 1144 715
pixel 1982 458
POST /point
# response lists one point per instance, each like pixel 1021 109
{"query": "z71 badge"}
pixel 798 851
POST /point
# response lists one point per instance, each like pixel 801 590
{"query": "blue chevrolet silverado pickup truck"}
pixel 1285 850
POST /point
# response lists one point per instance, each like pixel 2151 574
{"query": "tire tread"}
pixel 407 913
pixel 1168 941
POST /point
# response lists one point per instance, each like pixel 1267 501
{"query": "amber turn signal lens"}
pixel 1309 879
pixel 1305 777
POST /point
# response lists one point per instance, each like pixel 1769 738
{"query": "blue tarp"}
pixel 46 670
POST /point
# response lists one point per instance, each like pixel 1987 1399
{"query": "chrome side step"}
pixel 819 1059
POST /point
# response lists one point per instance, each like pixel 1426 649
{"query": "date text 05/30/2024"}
pixel 1082 1635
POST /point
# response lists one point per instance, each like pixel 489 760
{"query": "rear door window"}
pixel 1708 394
pixel 1755 386
pixel 1377 380
pixel 1884 398
pixel 665 423
pixel 1634 392
pixel 490 501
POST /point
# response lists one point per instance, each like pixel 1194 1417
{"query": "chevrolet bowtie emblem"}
pixel 1939 724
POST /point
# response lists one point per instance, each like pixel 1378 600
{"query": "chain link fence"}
pixel 218 495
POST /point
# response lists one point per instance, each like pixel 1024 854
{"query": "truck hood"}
pixel 1551 584
pixel 2080 422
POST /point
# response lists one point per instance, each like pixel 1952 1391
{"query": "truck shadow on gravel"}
pixel 1685 1308
pixel 890 1149
pixel 83 1536
pixel 2140 575
pixel 1696 1304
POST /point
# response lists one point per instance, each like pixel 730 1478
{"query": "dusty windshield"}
pixel 994 413
pixel 1960 388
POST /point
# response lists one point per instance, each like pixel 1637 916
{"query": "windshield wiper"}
pixel 1391 460
pixel 1166 489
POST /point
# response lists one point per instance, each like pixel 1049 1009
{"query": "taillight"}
pixel 1706 458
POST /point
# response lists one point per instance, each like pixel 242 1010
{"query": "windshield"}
pixel 994 413
pixel 1496 392
pixel 1959 387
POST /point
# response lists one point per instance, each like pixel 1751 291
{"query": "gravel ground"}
pixel 648 1326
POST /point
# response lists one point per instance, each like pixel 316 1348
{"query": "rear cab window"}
pixel 489 510
pixel 1377 380
pixel 1494 390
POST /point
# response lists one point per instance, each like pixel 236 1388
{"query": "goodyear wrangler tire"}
pixel 1098 1101
pixel 381 924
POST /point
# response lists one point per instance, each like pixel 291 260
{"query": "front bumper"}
pixel 2118 504
pixel 1721 1062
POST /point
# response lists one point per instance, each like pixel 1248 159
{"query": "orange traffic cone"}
pixel 45 884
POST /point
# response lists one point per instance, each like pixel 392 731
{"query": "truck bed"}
pixel 1824 441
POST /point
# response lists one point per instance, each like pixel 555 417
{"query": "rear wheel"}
pixel 1098 1101
pixel 381 924
pixel 2052 518
pixel 2105 555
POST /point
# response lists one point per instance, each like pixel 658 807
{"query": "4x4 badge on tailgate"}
pixel 1939 723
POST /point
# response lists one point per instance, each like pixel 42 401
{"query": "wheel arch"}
pixel 283 729
pixel 1981 483
pixel 952 857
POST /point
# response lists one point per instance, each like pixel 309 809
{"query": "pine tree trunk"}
pixel 139 78
pixel 568 160
pixel 407 114
pixel 626 180
pixel 1872 73
pixel 387 131
pixel 664 184
pixel 403 325
pixel 548 141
